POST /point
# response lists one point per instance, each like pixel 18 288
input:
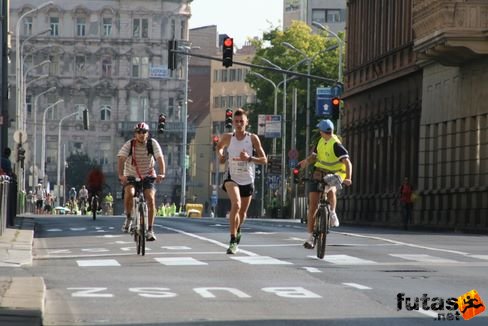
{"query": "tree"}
pixel 324 64
pixel 79 164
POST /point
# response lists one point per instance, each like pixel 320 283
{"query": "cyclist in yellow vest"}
pixel 329 156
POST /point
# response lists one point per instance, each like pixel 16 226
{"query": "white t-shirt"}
pixel 241 172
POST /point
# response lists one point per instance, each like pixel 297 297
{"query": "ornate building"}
pixel 416 106
pixel 109 57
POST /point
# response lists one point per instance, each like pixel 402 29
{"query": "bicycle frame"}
pixel 140 215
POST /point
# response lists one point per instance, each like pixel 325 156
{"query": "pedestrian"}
pixel 137 158
pixel 239 181
pixel 328 157
pixel 40 195
pixel 6 165
pixel 406 201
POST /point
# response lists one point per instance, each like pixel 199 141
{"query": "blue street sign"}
pixel 323 105
pixel 213 198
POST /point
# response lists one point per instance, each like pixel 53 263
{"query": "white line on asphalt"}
pixel 403 243
pixel 272 245
pixel 358 286
pixel 97 263
pixel 312 269
pixel 346 260
pixel 215 242
pixel 423 258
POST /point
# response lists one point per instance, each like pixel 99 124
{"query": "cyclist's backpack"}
pixel 149 145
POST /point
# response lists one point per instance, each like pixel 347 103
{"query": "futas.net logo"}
pixel 467 305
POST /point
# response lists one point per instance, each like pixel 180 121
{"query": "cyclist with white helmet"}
pixel 137 158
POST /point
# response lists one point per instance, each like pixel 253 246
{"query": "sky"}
pixel 240 19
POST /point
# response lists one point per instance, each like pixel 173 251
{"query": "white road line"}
pixel 54 230
pixel 215 242
pixel 176 247
pixel 97 263
pixel 261 260
pixel 404 243
pixel 346 260
pixel 485 257
pixel 312 269
pixel 423 258
pixel 179 261
pixel 357 286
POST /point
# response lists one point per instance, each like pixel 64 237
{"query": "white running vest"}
pixel 241 172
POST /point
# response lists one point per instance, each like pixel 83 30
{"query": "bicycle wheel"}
pixel 94 207
pixel 322 220
pixel 141 244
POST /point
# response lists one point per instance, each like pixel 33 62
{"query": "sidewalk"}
pixel 21 298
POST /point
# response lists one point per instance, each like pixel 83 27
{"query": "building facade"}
pixel 110 58
pixel 415 106
pixel 331 13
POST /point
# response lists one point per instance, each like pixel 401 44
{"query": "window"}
pixel 80 26
pixel 105 113
pixel 171 107
pixel 140 28
pixel 140 67
pixel 54 65
pixel 28 102
pixel 107 66
pixel 79 108
pixel 327 15
pixel 27 26
pixel 232 75
pixel 80 65
pixel 138 108
pixel 107 26
pixel 173 29
pixel 230 101
pixel 54 23
pixel 183 28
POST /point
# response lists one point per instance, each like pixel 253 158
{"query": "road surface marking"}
pixel 312 270
pixel 97 262
pixel 346 260
pixel 423 258
pixel 261 260
pixel 358 286
pixel 176 247
pixel 179 261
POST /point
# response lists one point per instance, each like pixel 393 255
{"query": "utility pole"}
pixel 4 118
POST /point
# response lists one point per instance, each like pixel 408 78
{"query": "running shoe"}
pixel 150 236
pixel 232 248
pixel 334 220
pixel 127 225
pixel 308 244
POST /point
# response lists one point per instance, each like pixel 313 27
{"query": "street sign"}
pixel 213 199
pixel 19 136
pixel 274 165
pixel 273 126
pixel 323 107
pixel 293 163
pixel 293 154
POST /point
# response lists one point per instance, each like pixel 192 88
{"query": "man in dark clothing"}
pixel 6 165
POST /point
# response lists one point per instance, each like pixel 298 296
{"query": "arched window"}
pixel 105 113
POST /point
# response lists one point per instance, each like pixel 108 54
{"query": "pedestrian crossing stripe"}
pixel 261 260
pixel 346 260
pixel 179 261
pixel 424 258
pixel 97 263
pixel 484 257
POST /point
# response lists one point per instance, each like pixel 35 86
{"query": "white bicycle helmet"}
pixel 141 126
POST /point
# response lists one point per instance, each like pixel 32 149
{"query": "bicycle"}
pixel 322 216
pixel 139 214
pixel 94 205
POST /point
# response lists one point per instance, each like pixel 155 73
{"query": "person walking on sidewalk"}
pixel 239 182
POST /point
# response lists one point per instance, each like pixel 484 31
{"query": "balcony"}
pixel 450 32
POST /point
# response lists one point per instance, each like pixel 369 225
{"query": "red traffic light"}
pixel 228 113
pixel 336 101
pixel 215 139
pixel 229 42
pixel 296 171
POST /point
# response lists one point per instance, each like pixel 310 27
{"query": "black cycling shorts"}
pixel 244 190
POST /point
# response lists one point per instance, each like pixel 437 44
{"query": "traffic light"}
pixel 296 175
pixel 172 45
pixel 215 141
pixel 227 52
pixel 21 155
pixel 161 123
pixel 336 104
pixel 86 120
pixel 228 119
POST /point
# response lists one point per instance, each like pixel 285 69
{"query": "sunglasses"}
pixel 141 131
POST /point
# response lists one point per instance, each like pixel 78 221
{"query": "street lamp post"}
pixel 34 152
pixel 341 49
pixel 59 156
pixel 43 139
pixel 275 111
pixel 18 72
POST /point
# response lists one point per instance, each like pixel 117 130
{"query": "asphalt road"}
pixel 94 277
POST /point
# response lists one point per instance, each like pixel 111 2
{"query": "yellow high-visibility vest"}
pixel 326 158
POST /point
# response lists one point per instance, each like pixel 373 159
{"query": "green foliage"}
pixel 323 64
pixel 79 164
